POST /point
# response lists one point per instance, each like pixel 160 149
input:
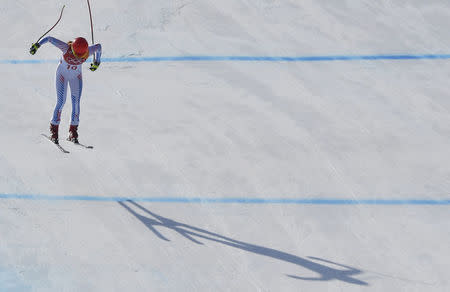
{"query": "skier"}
pixel 75 53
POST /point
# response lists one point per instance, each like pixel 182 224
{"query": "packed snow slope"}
pixel 213 156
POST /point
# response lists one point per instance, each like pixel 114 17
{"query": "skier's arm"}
pixel 57 43
pixel 95 50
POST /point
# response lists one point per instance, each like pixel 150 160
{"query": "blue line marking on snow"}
pixel 250 58
pixel 276 59
pixel 15 62
pixel 199 200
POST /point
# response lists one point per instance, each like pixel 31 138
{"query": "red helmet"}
pixel 80 47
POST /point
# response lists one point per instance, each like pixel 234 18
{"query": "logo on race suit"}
pixel 71 59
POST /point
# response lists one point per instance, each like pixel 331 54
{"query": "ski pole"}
pixel 52 26
pixel 95 64
pixel 90 16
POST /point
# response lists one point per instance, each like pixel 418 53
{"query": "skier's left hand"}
pixel 94 66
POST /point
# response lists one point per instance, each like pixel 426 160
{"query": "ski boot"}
pixel 54 133
pixel 73 134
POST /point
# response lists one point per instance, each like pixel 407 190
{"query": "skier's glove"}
pixel 94 66
pixel 34 48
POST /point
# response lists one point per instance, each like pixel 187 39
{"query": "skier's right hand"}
pixel 34 48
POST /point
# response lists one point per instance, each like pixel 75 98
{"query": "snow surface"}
pixel 353 130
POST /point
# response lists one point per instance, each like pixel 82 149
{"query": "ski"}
pixel 81 145
pixel 57 145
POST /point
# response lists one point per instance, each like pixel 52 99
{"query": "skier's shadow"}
pixel 194 234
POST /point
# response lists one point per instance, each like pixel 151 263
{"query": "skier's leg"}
pixel 61 92
pixel 76 88
pixel 61 89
